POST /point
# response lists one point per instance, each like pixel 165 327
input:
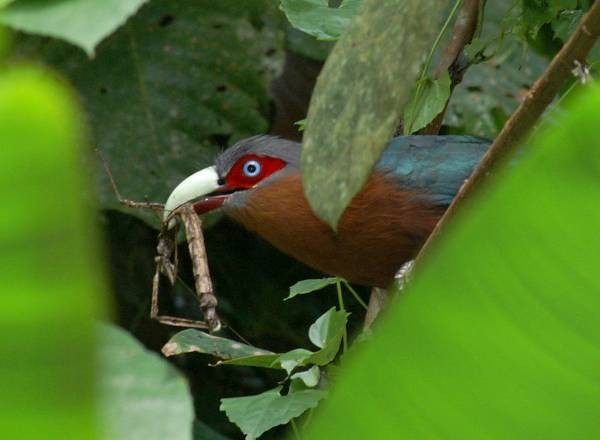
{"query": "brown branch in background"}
pixel 522 121
pixel 452 59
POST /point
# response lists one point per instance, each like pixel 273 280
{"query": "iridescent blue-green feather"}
pixel 435 166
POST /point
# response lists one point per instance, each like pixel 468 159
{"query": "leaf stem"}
pixel 338 285
pixel 295 429
pixel 308 419
pixel 355 294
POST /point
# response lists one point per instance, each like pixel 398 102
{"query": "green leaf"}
pixel 428 100
pixel 308 286
pixel 327 333
pixel 326 327
pixel 164 92
pixel 498 336
pixel 255 415
pixel 310 377
pixel 293 359
pixel 359 97
pixel 316 18
pixel 566 23
pixel 141 395
pixel 52 279
pixel 81 22
pixel 192 340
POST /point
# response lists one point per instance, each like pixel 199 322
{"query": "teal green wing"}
pixel 434 166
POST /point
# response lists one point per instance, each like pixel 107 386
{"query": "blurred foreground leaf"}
pixel 498 337
pixel 359 97
pixel 51 276
pixel 81 22
pixel 141 395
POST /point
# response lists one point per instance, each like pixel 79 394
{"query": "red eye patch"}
pixel 251 169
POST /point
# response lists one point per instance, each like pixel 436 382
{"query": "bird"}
pixel 258 183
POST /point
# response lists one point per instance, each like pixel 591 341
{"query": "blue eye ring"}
pixel 252 168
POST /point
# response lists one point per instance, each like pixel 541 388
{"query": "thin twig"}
pixel 355 294
pixel 157 207
pixel 522 121
pixel 343 309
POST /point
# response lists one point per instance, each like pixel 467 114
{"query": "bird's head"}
pixel 248 164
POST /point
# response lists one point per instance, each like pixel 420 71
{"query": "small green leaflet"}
pixel 326 333
pixel 308 286
pixel 316 18
pixel 427 101
pixel 255 415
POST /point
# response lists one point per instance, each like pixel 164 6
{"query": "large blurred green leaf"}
pixel 166 90
pixel 81 22
pixel 141 395
pixel 359 97
pixel 499 335
pixel 51 276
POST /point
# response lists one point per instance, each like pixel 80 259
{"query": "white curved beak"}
pixel 197 185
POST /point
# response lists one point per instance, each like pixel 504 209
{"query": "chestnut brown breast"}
pixel 382 228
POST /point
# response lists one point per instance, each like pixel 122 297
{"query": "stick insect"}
pixel 166 259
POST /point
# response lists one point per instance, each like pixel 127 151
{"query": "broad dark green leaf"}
pixel 191 340
pixel 498 335
pixel 359 97
pixel 81 22
pixel 316 18
pixel 52 282
pixel 168 89
pixel 428 100
pixel 142 396
pixel 308 286
pixel 255 415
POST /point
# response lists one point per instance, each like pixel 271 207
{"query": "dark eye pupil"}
pixel 251 168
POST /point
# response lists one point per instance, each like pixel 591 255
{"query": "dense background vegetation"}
pixel 159 87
